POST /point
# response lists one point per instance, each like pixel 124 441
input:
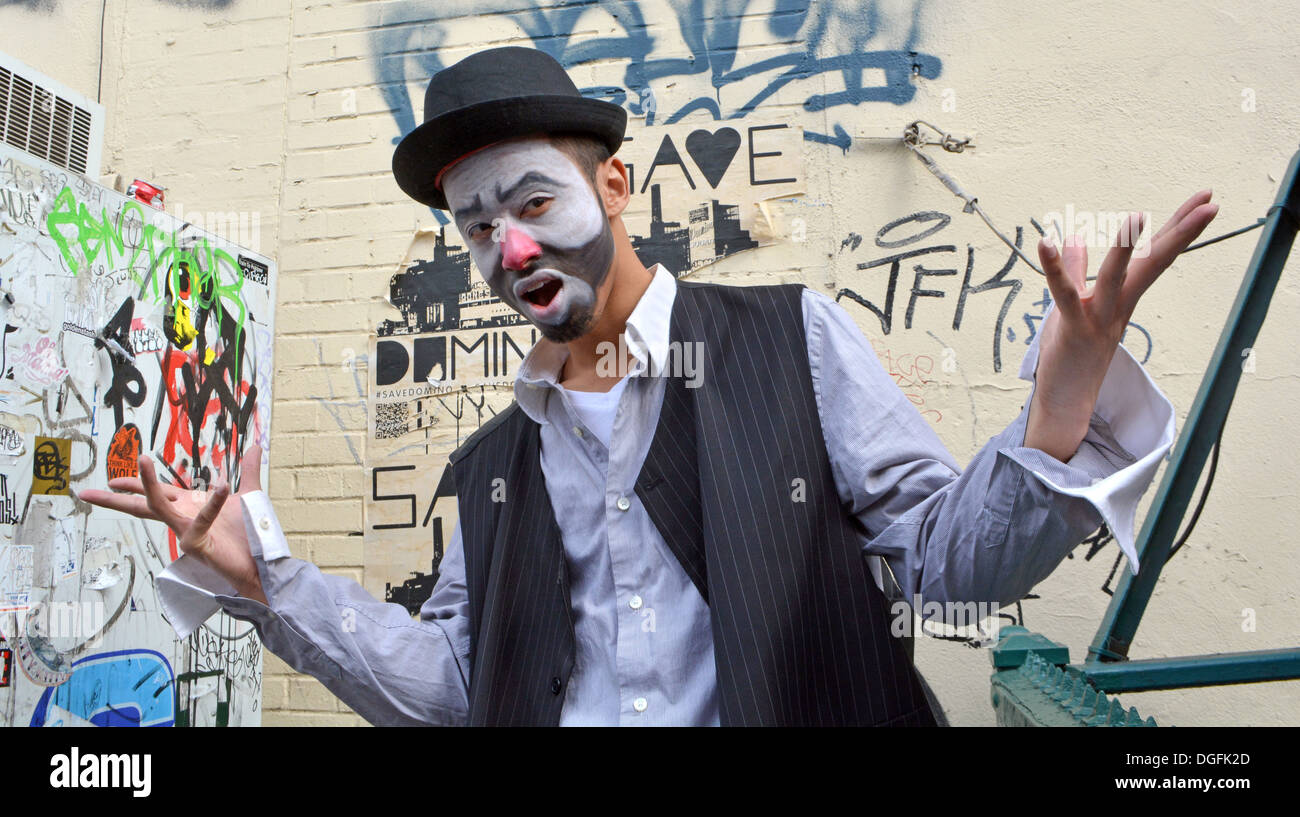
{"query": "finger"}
pixel 1144 271
pixel 134 505
pixel 133 485
pixel 250 470
pixel 1186 207
pixel 208 513
pixel 1114 269
pixel 130 484
pixel 1191 226
pixel 1064 292
pixel 1075 257
pixel 155 498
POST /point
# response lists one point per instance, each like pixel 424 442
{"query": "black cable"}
pixel 1205 491
pixel 99 90
pixel 1216 239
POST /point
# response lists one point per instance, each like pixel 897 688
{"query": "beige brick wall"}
pixel 273 107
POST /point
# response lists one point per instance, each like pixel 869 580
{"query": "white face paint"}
pixel 536 231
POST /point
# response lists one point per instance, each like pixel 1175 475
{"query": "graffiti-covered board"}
pixel 125 332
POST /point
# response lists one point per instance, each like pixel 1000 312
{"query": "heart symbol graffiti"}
pixel 713 152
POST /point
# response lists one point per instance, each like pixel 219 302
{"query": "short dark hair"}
pixel 587 151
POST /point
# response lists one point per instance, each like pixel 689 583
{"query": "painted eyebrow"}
pixel 531 177
pixel 475 207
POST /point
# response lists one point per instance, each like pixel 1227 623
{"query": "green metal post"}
pixel 1193 670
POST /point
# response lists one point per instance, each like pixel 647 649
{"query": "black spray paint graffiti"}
pixel 886 239
pixel 913 229
pixel 8 503
pixel 128 383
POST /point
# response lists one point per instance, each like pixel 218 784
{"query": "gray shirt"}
pixel 642 632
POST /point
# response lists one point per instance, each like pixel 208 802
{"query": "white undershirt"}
pixel 597 409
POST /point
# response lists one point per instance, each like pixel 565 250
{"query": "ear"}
pixel 612 186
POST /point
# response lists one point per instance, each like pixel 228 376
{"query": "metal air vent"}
pixel 45 119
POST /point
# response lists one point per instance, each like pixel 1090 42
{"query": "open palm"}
pixel 1083 330
pixel 207 528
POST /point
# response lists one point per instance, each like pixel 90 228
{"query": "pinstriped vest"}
pixel 800 630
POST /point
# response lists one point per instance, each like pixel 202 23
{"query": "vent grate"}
pixel 39 121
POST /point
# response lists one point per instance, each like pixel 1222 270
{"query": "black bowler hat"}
pixel 489 96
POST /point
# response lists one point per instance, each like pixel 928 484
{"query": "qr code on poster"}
pixel 391 420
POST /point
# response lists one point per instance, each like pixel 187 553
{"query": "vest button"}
pixel 556 686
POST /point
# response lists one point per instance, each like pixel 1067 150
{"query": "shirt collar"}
pixel 646 336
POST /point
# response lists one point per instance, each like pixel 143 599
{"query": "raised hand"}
pixel 1080 336
pixel 206 526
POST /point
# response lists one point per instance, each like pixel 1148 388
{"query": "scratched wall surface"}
pixel 126 332
pixel 288 110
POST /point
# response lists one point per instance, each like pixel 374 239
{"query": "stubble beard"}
pixel 578 324
pixel 599 253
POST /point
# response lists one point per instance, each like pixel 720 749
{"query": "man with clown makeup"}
pixel 694 508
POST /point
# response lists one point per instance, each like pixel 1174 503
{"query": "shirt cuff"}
pixel 265 538
pixel 188 589
pixel 186 592
pixel 1130 432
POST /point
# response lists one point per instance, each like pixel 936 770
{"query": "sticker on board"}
pixel 124 453
pixel 51 463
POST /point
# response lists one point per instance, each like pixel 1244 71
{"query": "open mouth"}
pixel 543 292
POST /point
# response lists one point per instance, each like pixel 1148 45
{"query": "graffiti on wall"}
pixel 908 271
pixel 665 62
pixel 725 58
pixel 674 67
pixel 700 191
pixel 126 332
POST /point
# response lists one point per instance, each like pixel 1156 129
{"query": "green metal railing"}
pixel 1018 694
